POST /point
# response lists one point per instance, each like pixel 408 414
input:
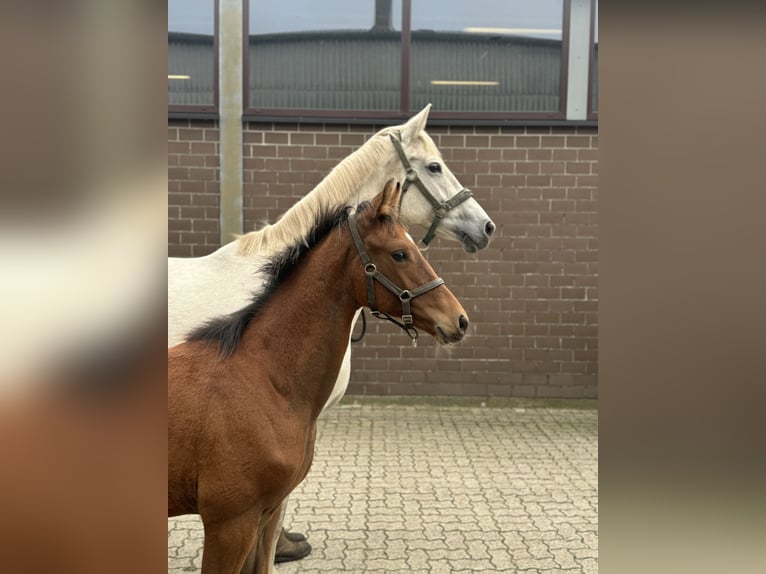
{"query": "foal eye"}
pixel 399 256
pixel 434 167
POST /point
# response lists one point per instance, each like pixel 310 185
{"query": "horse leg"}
pixel 267 542
pixel 280 519
pixel 228 543
pixel 255 563
pixel 249 566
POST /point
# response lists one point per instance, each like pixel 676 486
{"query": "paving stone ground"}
pixel 432 489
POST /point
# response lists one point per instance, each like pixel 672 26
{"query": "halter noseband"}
pixel 405 295
pixel 440 208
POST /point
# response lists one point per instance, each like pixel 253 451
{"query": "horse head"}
pixel 433 197
pixel 397 279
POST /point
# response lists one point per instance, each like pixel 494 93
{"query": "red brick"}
pixel 190 134
pixel 490 154
pixel 528 141
pixel 203 148
pixel 253 137
pixel 327 139
pixel 578 141
pixel 500 141
pixel 553 141
pixel 301 138
pixel 178 147
pixel 178 173
pixel 528 167
pixel 276 138
pixel 539 154
pixel 565 155
pixel 447 141
pixel 355 140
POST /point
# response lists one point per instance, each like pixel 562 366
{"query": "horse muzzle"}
pixel 473 242
pixel 448 334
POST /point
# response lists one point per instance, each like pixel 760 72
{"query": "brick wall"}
pixel 532 295
pixel 193 187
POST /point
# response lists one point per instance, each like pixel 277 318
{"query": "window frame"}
pixel 255 113
pixel 204 111
pixel 592 112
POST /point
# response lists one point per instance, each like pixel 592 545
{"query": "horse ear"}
pixel 416 124
pixel 387 201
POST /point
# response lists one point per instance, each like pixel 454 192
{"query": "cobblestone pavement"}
pixel 428 489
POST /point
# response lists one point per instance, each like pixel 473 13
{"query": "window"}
pixel 487 56
pixel 192 55
pixel 391 57
pixel 477 59
pixel 332 55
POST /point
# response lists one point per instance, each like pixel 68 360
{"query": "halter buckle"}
pixel 413 333
pixel 407 320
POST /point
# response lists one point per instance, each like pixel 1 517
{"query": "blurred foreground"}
pixel 82 287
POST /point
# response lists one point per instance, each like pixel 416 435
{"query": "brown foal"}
pixel 244 391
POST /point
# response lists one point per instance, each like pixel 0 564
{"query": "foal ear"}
pixel 387 201
pixel 415 124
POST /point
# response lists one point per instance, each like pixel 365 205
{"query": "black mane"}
pixel 227 330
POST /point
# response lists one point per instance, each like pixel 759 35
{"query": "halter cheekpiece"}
pixel 440 208
pixel 405 295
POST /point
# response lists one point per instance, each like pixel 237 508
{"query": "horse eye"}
pixel 434 167
pixel 399 256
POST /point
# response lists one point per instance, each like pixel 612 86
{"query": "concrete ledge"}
pixel 470 402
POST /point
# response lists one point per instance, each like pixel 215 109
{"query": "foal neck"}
pixel 299 339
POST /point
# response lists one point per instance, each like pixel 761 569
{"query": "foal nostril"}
pixel 489 228
pixel 463 323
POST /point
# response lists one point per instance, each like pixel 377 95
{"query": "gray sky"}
pixel 302 15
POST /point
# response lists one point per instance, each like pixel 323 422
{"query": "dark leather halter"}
pixel 440 208
pixel 405 295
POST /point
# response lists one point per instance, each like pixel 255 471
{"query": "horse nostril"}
pixel 489 228
pixel 463 323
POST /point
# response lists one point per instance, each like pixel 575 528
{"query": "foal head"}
pixel 393 254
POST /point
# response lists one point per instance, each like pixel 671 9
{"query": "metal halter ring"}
pixel 370 269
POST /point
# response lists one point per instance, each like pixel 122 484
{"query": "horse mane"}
pixel 228 329
pixel 336 188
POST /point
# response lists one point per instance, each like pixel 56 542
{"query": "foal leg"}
pixel 280 519
pixel 267 543
pixel 249 566
pixel 228 543
pixel 260 559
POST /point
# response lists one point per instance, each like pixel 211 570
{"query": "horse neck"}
pixel 359 177
pixel 301 335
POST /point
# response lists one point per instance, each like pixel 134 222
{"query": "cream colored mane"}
pixel 337 188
